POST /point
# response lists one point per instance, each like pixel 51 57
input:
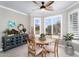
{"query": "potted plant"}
pixel 42 37
pixel 68 38
pixel 7 32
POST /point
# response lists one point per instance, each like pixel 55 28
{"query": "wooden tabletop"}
pixel 47 41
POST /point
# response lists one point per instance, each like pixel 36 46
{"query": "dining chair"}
pixel 32 48
pixel 53 48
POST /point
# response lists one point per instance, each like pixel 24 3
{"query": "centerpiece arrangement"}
pixel 42 37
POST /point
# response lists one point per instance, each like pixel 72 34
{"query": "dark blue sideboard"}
pixel 14 41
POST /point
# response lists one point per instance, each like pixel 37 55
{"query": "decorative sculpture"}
pixel 21 29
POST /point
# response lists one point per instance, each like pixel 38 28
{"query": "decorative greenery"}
pixel 42 36
pixel 9 32
pixel 68 36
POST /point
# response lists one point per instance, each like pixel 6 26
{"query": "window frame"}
pixel 60 15
pixel 40 25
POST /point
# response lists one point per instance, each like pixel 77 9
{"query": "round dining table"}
pixel 42 44
pixel 47 41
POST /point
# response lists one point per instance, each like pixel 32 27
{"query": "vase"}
pixel 69 43
pixel 42 39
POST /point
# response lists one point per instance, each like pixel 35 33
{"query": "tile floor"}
pixel 21 51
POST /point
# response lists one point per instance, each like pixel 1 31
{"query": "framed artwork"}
pixel 11 24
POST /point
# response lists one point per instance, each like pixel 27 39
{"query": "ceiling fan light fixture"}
pixel 42 8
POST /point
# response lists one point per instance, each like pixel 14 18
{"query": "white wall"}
pixel 6 15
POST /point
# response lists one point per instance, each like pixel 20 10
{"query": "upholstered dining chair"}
pixel 53 48
pixel 32 48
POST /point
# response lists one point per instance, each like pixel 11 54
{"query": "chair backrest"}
pixel 31 44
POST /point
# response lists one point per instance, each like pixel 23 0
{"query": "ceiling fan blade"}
pixel 49 3
pixel 49 9
pixel 36 3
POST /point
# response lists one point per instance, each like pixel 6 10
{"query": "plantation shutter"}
pixel 74 24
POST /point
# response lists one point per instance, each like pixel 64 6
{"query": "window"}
pixel 52 25
pixel 74 23
pixel 56 22
pixel 48 26
pixel 37 26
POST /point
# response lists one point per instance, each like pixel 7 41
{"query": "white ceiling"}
pixel 28 6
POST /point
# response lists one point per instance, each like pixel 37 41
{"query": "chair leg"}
pixel 28 54
pixel 54 54
pixel 43 54
pixel 34 55
pixel 57 53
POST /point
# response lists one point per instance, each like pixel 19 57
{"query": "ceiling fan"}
pixel 45 7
